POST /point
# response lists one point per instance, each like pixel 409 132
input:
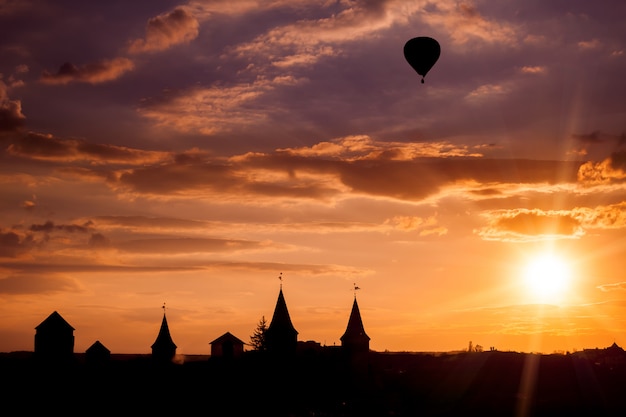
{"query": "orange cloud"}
pixel 595 173
pixel 47 147
pixel 37 284
pixel 166 30
pixel 214 109
pixel 362 147
pixel 530 225
pixel 14 245
pixel 309 40
pixel 465 23
pixel 533 225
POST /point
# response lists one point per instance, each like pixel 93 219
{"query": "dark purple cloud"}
pixel 11 116
pixel 49 227
pixel 93 73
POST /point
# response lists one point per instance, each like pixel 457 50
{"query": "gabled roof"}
pixel 98 348
pixel 54 320
pixel 281 322
pixel 164 339
pixel 228 336
pixel 355 329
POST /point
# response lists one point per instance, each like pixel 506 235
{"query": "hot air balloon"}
pixel 422 53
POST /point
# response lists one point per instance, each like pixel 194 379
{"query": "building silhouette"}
pixel 281 337
pixel 227 346
pixel 54 339
pixel 354 339
pixel 97 354
pixel 163 348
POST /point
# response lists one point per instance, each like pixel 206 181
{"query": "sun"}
pixel 547 278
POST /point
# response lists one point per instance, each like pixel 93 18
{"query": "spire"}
pixel 355 339
pixel 281 335
pixel 163 348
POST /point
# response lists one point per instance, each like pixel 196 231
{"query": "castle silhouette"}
pixel 303 378
pixel 54 339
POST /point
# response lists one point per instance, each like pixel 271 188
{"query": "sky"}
pixel 179 157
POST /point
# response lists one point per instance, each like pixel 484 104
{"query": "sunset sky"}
pixel 188 153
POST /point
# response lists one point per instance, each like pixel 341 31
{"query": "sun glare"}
pixel 547 278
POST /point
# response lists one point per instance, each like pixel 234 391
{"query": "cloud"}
pixel 11 116
pixel 319 176
pixel 189 245
pixel 164 31
pixel 537 69
pixel 93 73
pixel 362 147
pixel 590 44
pixel 485 92
pixel 47 147
pixel 98 241
pixel 307 41
pixel 534 225
pixel 465 24
pixel 49 227
pixel 608 171
pixel 37 284
pixel 619 286
pixel 530 225
pixel 13 245
pixel 149 223
pixel 215 109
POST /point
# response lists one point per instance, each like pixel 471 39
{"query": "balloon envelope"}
pixel 422 53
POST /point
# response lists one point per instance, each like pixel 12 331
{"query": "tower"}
pixel 354 339
pixel 281 337
pixel 163 348
pixel 54 339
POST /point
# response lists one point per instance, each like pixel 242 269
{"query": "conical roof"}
pixel 281 321
pixel 355 332
pixel 281 335
pixel 164 339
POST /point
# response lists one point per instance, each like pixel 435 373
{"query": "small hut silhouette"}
pixel 227 346
pixel 54 339
pixel 97 354
pixel 163 348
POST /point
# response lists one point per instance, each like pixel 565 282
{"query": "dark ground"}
pixel 320 384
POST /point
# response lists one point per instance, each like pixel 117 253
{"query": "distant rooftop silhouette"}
pixel 163 348
pixel 54 338
pixel 281 336
pixel 227 346
pixel 354 339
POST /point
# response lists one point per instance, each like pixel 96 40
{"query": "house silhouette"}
pixel 97 354
pixel 227 346
pixel 54 339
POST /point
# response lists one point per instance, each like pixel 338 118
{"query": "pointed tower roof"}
pixel 164 342
pixel 355 327
pixel 354 338
pixel 281 335
pixel 281 319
